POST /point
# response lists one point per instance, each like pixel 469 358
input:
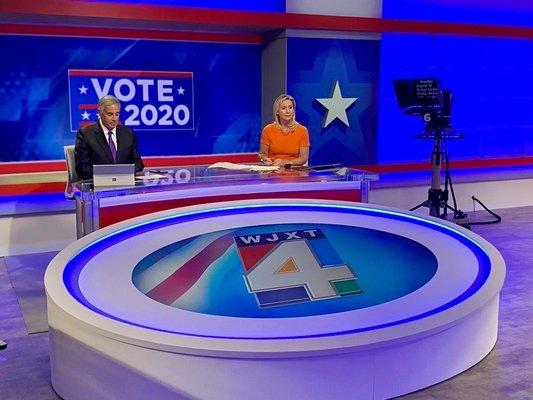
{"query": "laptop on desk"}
pixel 114 175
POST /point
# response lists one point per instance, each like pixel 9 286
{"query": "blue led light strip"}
pixel 76 264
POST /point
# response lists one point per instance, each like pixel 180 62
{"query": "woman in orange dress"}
pixel 284 141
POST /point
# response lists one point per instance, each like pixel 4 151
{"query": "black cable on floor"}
pixel 498 218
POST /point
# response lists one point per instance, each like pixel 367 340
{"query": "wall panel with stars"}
pixel 335 84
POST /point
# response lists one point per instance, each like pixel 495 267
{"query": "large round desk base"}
pixel 90 362
pixel 88 365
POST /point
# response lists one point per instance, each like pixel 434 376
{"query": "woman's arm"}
pixel 303 156
pixel 263 154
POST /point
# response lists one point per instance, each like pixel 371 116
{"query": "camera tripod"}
pixel 437 200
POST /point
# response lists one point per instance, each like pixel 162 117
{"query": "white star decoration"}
pixel 181 90
pixel 85 115
pixel 83 89
pixel 336 105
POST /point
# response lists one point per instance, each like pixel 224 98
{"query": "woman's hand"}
pixel 266 161
pixel 279 162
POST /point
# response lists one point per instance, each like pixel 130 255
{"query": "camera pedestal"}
pixel 437 200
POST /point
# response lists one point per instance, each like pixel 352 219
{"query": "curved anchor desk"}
pixel 189 185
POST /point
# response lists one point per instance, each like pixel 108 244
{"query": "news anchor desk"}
pixel 188 185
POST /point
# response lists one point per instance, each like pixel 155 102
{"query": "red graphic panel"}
pixel 251 255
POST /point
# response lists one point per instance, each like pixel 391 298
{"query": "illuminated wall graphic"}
pixel 153 100
pixel 335 83
pixel 221 117
pixel 489 77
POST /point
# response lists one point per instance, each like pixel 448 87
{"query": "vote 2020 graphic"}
pixel 152 100
pixel 284 270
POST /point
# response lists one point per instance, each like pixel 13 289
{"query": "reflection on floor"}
pixel 506 373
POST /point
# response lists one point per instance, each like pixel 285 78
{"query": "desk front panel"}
pixel 113 210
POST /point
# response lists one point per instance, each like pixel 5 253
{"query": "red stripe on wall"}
pixel 32 166
pixel 463 164
pixel 160 74
pixel 124 33
pixel 70 12
pixel 170 161
pixel 154 162
pixel 32 188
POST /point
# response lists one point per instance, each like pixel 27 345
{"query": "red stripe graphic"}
pixel 127 33
pixel 67 12
pixel 18 167
pixel 135 74
pixel 87 106
pixel 168 291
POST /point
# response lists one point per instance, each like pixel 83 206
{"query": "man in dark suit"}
pixel 106 142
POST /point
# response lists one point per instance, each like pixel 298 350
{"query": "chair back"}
pixel 72 176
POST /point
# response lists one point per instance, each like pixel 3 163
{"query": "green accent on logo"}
pixel 347 287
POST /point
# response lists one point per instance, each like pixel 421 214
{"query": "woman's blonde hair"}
pixel 281 98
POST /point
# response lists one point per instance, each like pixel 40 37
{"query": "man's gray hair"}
pixel 107 100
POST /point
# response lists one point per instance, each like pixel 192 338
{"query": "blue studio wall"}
pixel 35 122
pixel 495 12
pixel 491 80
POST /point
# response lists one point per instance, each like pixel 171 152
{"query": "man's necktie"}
pixel 112 146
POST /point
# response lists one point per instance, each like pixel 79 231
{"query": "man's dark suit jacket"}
pixel 92 148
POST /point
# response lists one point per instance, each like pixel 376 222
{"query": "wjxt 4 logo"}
pixel 295 266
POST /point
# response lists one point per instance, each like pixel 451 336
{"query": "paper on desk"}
pixel 149 177
pixel 243 167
